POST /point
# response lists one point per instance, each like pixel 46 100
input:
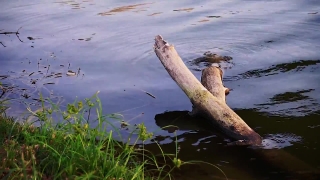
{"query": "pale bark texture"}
pixel 212 80
pixel 210 105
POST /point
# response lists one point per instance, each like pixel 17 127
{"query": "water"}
pixel 274 77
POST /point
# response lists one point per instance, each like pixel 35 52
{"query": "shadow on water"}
pixel 198 140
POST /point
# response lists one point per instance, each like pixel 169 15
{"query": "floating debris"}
pixel 32 38
pixel 150 94
pixel 153 14
pixel 49 76
pixel 33 81
pixel 71 73
pixel 213 16
pixel 185 9
pixel 204 20
pixel 271 41
pixel 26 96
pixel 124 124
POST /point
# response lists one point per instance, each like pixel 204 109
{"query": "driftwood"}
pixel 208 100
pixel 210 105
pixel 212 79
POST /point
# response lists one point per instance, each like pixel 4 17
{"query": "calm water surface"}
pixel 274 76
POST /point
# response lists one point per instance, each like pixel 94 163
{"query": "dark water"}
pixel 274 76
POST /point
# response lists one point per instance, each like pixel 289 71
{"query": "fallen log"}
pixel 208 100
pixel 204 102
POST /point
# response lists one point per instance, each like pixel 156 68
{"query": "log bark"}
pixel 205 103
pixel 211 79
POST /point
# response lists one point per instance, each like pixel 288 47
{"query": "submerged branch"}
pixel 11 32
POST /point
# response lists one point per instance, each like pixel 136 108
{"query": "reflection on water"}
pixel 75 4
pixel 290 97
pixel 274 76
pixel 124 9
pixel 279 68
pixel 280 141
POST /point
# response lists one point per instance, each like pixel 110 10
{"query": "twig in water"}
pixel 78 72
pixel 16 33
pixel 149 94
pixel 2 44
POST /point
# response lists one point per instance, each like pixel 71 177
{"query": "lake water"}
pixel 274 76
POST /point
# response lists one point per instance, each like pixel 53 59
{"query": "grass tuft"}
pixel 78 143
pixel 70 149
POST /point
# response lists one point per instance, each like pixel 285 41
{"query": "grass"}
pixel 72 149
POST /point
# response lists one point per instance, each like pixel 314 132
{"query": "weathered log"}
pixel 205 103
pixel 212 80
pixel 208 99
